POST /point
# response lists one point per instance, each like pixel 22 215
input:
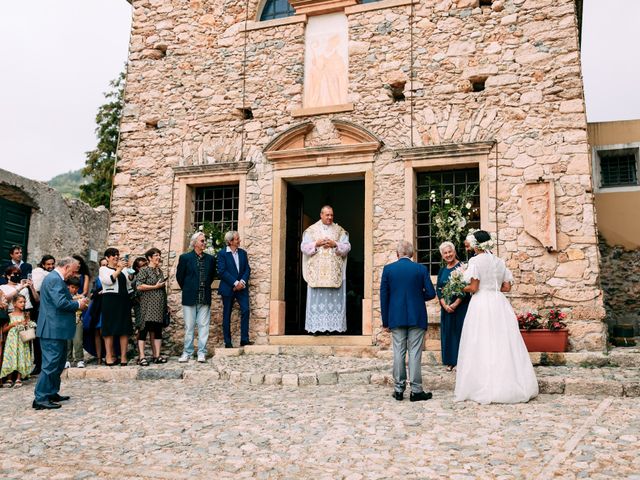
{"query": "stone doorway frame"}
pixel 353 158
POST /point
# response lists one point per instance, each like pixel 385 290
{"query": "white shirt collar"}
pixel 58 272
pixel 231 251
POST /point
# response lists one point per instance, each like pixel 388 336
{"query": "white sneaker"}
pixel 202 358
pixel 67 365
pixel 184 358
pixel 80 364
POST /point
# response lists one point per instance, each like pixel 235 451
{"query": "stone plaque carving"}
pixel 326 61
pixel 539 213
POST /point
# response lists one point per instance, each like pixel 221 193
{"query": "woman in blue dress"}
pixel 451 314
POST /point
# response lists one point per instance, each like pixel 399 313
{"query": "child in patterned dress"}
pixel 17 360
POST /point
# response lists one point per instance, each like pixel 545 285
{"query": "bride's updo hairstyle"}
pixel 481 236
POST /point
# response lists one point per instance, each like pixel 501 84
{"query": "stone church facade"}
pixel 252 114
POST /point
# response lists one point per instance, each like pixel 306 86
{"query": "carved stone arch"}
pixel 288 150
pixel 352 133
pixel 291 138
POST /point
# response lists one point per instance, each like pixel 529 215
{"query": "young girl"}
pixel 17 362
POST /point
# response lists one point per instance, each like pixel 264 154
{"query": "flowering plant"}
pixel 455 285
pixel 554 320
pixel 214 236
pixel 551 320
pixel 21 327
pixel 450 213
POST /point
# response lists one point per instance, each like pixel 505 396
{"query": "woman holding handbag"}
pixel 150 283
pixel 17 360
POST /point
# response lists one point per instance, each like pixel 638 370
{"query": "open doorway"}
pixel 304 201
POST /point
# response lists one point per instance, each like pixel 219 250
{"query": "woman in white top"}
pixel 46 266
pixel 116 306
pixel 493 362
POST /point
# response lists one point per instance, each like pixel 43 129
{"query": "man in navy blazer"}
pixel 56 325
pixel 194 274
pixel 15 258
pixel 234 271
pixel 404 289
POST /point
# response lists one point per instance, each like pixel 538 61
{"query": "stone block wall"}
pixel 58 226
pixel 185 89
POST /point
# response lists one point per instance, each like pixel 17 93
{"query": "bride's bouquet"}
pixel 454 288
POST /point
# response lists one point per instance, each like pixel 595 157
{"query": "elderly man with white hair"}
pixel 194 274
pixel 234 272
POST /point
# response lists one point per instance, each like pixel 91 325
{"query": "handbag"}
pixel 27 334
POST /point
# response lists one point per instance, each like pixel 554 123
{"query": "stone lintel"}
pixel 307 112
pixel 447 150
pixel 228 167
pixel 320 7
pixel 367 7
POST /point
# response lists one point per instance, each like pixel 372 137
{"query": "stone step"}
pixel 609 381
pixel 321 340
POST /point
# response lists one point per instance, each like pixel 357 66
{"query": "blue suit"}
pixel 56 325
pixel 404 289
pixel 229 274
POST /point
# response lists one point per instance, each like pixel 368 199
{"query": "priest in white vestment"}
pixel 325 246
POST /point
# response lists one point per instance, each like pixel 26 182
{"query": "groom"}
pixel 404 289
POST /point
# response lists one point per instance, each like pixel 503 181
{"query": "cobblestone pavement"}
pixel 202 429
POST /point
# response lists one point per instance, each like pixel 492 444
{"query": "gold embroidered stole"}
pixel 324 269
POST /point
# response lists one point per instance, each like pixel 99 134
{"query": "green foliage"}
pixel 450 213
pixel 68 184
pixel 100 162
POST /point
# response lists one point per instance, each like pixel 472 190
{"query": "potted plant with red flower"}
pixel 544 332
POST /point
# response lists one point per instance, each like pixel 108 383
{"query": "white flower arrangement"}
pixel 450 214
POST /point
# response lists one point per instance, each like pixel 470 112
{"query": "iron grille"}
pixel 618 168
pixel 218 205
pixel 455 181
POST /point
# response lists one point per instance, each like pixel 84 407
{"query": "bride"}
pixel 493 363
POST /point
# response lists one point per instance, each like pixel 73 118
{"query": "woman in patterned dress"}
pixel 17 362
pixel 153 301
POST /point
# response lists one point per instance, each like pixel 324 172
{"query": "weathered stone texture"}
pixel 185 88
pixel 58 226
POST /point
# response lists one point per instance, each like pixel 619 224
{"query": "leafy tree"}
pixel 100 161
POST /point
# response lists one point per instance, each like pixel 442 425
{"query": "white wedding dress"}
pixel 493 363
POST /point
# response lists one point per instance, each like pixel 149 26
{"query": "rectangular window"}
pixel 618 168
pixel 218 205
pixel 456 182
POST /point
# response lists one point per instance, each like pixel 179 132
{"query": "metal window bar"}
pixel 218 205
pixel 455 181
pixel 618 169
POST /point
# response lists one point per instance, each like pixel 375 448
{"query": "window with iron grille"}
pixel 455 181
pixel 218 205
pixel 276 9
pixel 618 168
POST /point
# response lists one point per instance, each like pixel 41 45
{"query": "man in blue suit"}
pixel 234 271
pixel 56 325
pixel 404 289
pixel 194 274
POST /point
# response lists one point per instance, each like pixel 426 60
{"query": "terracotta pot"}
pixel 546 340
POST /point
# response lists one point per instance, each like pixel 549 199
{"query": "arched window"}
pixel 276 9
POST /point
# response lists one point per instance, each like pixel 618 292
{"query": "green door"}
pixel 14 227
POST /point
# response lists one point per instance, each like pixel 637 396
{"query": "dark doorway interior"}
pixel 304 202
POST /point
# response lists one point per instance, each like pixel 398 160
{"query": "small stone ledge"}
pixel 209 168
pixel 369 7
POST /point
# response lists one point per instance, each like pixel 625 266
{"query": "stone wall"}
pixel 184 90
pixel 58 226
pixel 620 279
